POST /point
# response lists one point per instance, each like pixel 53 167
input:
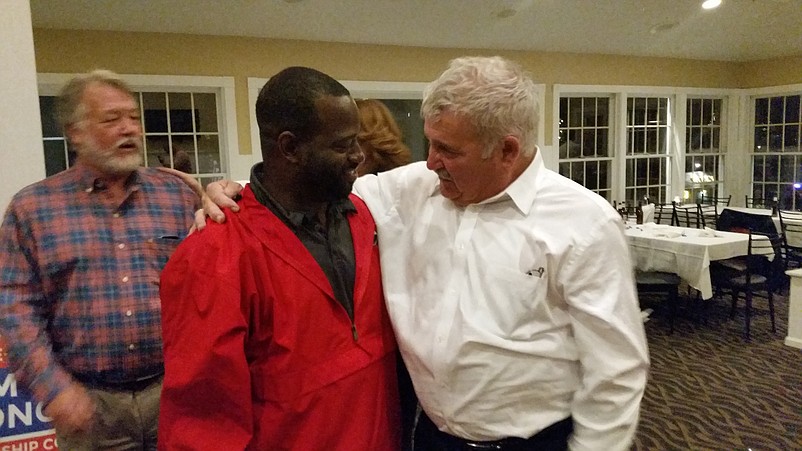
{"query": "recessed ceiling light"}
pixel 505 13
pixel 710 4
pixel 663 27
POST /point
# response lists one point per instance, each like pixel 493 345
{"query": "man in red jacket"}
pixel 275 331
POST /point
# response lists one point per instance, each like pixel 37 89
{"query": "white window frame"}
pixel 676 138
pixel 747 123
pixel 234 165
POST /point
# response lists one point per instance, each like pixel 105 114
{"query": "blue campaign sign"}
pixel 21 418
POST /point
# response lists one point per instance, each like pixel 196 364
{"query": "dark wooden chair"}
pixel 752 275
pixel 661 283
pixel 791 227
pixel 759 202
pixel 664 214
pixel 687 216
pixel 708 215
pixel 719 201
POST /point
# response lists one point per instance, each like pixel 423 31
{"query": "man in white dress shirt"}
pixel 509 286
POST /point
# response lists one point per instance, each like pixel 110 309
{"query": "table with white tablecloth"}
pixel 683 251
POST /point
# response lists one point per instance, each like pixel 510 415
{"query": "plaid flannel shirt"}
pixel 79 275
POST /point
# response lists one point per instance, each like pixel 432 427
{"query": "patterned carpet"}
pixel 709 389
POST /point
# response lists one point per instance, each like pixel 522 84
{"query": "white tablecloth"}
pixel 682 251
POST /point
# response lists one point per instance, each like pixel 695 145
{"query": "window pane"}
pixel 761 111
pixel 589 143
pixel 47 109
pixel 589 113
pixel 55 156
pixel 761 139
pixel 406 113
pixel 563 113
pixel 775 138
pixel 602 146
pixel 693 139
pixel 208 154
pixel 157 150
pixel 578 173
pixel 758 168
pixel 787 168
pixel 604 175
pixel 181 114
pixel 715 142
pixel 154 110
pixel 776 110
pixel 791 138
pixel 772 173
pixel 792 109
pixel 592 175
pixel 183 154
pixel 602 111
pixel 206 111
pixel 574 143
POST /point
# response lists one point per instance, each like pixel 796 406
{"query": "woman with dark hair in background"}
pixel 380 138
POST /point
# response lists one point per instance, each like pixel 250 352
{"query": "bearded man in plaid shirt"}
pixel 80 258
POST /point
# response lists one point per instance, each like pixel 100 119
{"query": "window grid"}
pixel 584 142
pixel 647 158
pixel 777 153
pixel 704 155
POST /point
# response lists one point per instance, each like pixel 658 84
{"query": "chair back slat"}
pixel 708 215
pixel 687 216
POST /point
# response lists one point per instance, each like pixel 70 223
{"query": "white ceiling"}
pixel 739 30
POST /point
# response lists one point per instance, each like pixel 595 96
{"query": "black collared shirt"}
pixel 331 245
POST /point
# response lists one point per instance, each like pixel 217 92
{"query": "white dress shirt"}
pixel 514 313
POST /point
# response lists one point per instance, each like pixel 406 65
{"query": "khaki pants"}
pixel 124 420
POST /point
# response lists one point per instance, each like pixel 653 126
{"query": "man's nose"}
pixel 433 161
pixel 356 155
pixel 131 126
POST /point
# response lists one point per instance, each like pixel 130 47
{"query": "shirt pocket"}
pixel 515 300
pixel 153 254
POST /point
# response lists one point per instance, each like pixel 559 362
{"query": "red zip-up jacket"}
pixel 258 353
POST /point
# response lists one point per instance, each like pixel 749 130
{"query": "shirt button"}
pixel 125 278
pixel 131 347
pixel 121 245
pixel 129 313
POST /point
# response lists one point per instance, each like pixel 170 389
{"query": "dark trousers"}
pixel 552 438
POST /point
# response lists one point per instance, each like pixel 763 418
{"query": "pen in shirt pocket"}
pixel 536 272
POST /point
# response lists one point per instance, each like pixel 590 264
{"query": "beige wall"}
pixel 773 72
pixel 177 54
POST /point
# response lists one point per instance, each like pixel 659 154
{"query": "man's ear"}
pixel 74 134
pixel 287 145
pixel 510 149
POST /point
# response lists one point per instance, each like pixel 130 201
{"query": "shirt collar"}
pixel 523 190
pixel 91 180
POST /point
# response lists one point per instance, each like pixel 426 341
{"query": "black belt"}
pixel 106 380
pixel 553 438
